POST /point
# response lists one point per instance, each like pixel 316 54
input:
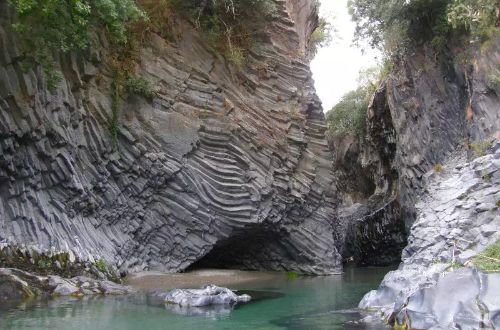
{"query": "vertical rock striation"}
pixel 221 161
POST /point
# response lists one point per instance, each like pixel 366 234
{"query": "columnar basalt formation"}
pixel 220 154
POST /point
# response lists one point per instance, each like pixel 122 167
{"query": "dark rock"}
pixel 218 154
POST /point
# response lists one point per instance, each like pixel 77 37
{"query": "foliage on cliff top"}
pixel 49 27
pixel 395 26
pixel 231 26
pixel 322 36
pixel 348 116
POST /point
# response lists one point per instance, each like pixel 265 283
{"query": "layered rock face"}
pixel 428 107
pixel 373 232
pixel 458 217
pixel 445 115
pixel 224 167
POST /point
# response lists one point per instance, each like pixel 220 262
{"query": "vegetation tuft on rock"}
pixel 489 259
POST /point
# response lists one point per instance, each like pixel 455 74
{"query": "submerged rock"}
pixel 206 296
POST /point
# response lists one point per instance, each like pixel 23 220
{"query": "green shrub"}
pixel 321 36
pixel 349 115
pixel 101 266
pixel 230 26
pixel 480 147
pixel 236 55
pixel 438 168
pixel 139 86
pixel 489 259
pixel 44 263
pixel 292 275
pixel 394 25
pixel 49 27
pixel 479 17
pixel 494 78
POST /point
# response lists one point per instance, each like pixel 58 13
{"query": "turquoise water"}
pixel 302 303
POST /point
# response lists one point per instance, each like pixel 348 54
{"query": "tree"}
pixel 479 17
pixel 395 25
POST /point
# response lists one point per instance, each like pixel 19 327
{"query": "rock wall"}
pixel 220 160
pixel 444 112
pixel 427 107
pixel 459 216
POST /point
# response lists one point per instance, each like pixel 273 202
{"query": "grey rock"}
pixel 427 290
pixel 66 289
pixel 13 287
pixel 417 120
pixel 208 295
pixel 111 288
pixel 16 284
pixel 217 162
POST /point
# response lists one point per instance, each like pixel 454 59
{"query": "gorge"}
pixel 230 165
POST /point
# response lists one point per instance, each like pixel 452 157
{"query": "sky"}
pixel 335 68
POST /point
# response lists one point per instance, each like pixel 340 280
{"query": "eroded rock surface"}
pixel 427 108
pixel 206 296
pixel 458 216
pixel 16 285
pixel 221 160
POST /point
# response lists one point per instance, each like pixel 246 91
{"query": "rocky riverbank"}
pixel 17 285
pixel 441 281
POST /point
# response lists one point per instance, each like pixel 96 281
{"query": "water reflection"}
pixel 304 303
pixel 206 311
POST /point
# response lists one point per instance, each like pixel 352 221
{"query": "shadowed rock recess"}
pixel 220 160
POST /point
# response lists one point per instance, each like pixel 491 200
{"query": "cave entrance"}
pixel 251 249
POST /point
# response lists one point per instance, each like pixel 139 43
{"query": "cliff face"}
pixel 458 217
pixel 428 107
pixel 445 119
pixel 223 167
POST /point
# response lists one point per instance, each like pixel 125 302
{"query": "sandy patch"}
pixel 152 281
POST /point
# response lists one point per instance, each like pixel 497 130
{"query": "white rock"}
pixel 208 295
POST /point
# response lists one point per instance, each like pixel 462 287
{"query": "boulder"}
pixel 206 296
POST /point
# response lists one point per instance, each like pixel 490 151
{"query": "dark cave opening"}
pixel 249 249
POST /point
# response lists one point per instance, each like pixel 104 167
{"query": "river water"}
pixel 280 302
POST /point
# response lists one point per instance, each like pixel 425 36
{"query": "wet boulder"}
pixel 206 296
